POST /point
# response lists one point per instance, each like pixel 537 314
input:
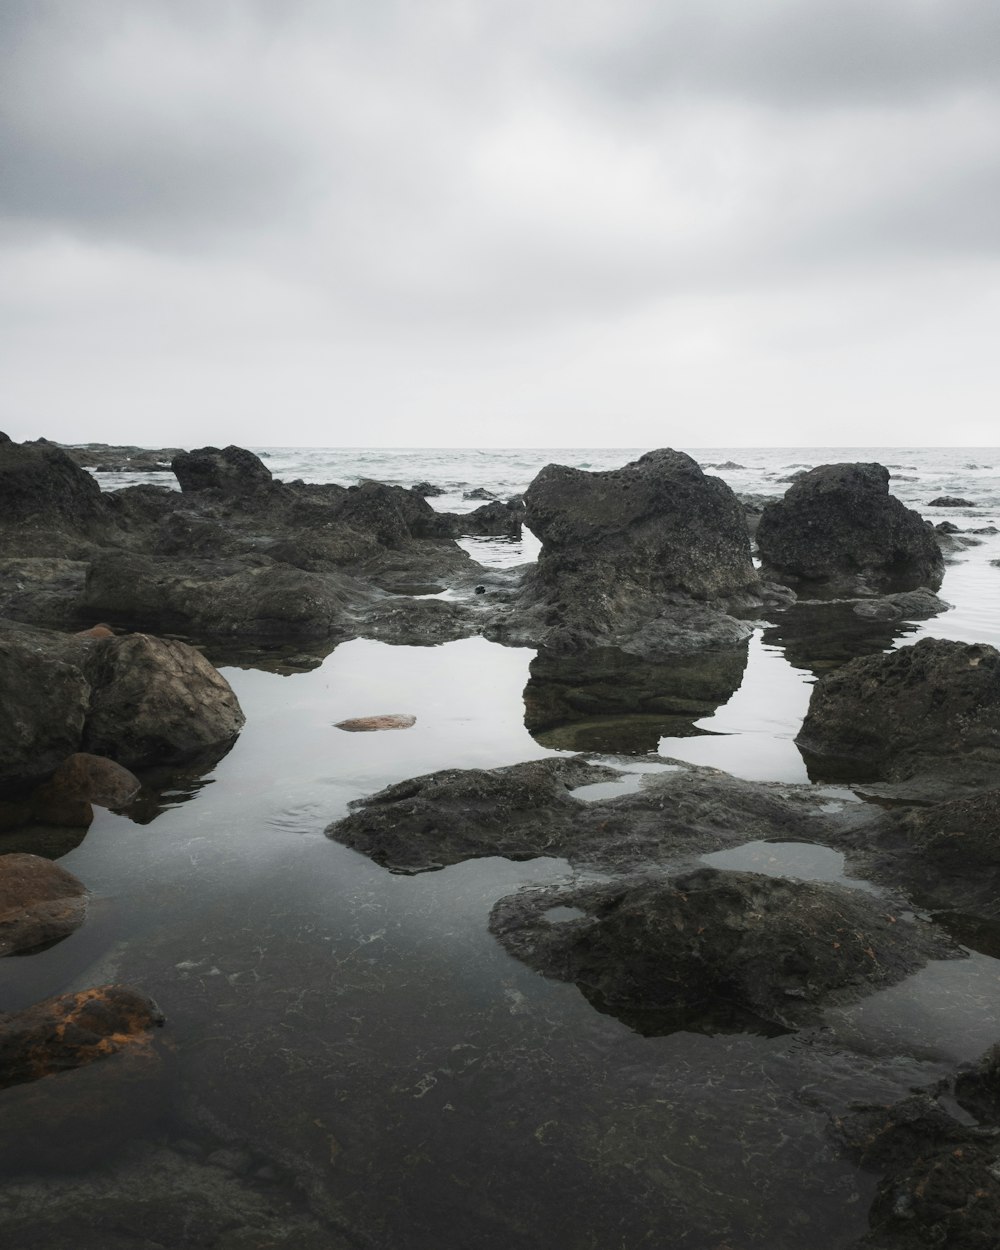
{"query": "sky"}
pixel 500 222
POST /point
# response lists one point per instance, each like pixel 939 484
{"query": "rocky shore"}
pixel 116 606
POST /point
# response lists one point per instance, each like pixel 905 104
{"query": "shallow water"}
pixel 366 1033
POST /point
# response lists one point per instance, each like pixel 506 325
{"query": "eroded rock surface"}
pixel 838 527
pixel 776 949
pixel 931 709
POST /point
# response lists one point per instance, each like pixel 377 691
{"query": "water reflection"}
pixel 607 700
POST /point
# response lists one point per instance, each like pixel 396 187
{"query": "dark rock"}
pixel 83 779
pixel 977 1089
pixel 73 1030
pixel 49 506
pixel 779 950
pixel 40 903
pixel 110 458
pixel 839 526
pixel 946 527
pixel 726 464
pixel 950 501
pixel 640 557
pixel 42 590
pixel 156 702
pixel 233 470
pixel 427 489
pixel 930 708
pixel 480 492
pixel 907 605
pixel 498 519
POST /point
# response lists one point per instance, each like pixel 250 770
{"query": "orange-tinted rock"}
pixel 96 779
pixel 39 902
pixel 96 631
pixel 364 724
pixel 73 1030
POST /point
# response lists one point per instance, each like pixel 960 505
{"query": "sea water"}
pixel 364 1033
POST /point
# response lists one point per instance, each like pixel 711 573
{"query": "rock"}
pixel 233 470
pixel 977 1089
pixel 838 526
pixel 427 489
pixel 46 699
pixel 950 501
pixel 640 557
pixel 364 724
pixel 933 707
pixel 110 458
pixel 49 506
pixel 497 519
pixel 156 702
pixel 42 590
pixel 40 903
pixel 480 492
pixel 946 527
pixel 96 779
pixel 73 1030
pixel 706 940
pixel 537 808
pixel 909 605
pixel 726 464
pixel 96 631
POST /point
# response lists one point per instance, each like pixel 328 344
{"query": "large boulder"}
pixel 40 903
pixel 713 941
pixel 138 699
pixel 233 470
pixel 646 557
pixel 838 526
pixel 929 709
pixel 49 506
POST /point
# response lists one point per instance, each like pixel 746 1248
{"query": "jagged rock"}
pixel 427 489
pixel 40 903
pixel 113 458
pixel 838 526
pixel 647 558
pixel 929 708
pixel 49 506
pixel 233 470
pixel 480 492
pixel 950 501
pixel 777 949
pixel 908 605
pixel 73 1030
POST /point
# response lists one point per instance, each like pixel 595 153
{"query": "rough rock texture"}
pixel 366 724
pixel 774 948
pixel 233 469
pixel 156 702
pixel 941 1187
pixel 527 810
pixel 73 1030
pixel 933 707
pixel 608 700
pixel 950 501
pixel 40 903
pixel 838 526
pixel 137 699
pixel 49 506
pixel 118 458
pixel 907 605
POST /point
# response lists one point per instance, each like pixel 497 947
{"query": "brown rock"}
pixel 96 779
pixel 39 902
pixel 96 631
pixel 364 724
pixel 73 1030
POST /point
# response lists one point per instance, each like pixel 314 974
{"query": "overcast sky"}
pixel 500 222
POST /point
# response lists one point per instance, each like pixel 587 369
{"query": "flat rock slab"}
pixel 39 902
pixel 73 1030
pixel 366 724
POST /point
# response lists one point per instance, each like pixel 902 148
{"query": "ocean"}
pixel 369 1047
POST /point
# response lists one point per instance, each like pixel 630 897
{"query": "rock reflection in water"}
pixel 608 700
pixel 817 637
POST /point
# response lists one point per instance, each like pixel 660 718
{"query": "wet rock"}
pixel 933 707
pixel 49 506
pixel 42 590
pixel 446 817
pixel 608 700
pixel 946 527
pixel 838 526
pixel 114 458
pixel 977 1089
pixel 427 490
pixel 950 501
pixel 497 519
pixel 908 605
pixel 480 492
pixel 726 464
pixel 40 903
pixel 233 470
pixel 527 810
pixel 155 702
pixel 365 724
pixel 93 779
pixel 777 949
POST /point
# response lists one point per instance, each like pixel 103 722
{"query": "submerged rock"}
pixel 931 708
pixel 776 949
pixel 40 903
pixel 73 1030
pixel 365 724
pixel 838 526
